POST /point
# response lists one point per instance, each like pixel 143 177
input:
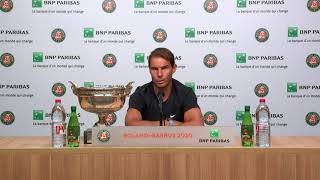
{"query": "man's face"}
pixel 161 71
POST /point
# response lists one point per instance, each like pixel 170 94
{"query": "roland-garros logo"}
pixel 103 135
pixel 262 35
pixel 210 6
pixel 313 60
pixel 7 59
pixel 159 35
pixel 109 6
pixel 312 118
pixel 313 5
pixel 210 60
pixel 261 90
pixel 58 35
pixel 210 118
pixel 6 5
pixel 109 60
pixel 110 118
pixel 7 118
pixel 58 89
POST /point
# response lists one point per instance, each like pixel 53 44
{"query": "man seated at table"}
pixel 179 101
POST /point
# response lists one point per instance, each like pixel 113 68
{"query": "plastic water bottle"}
pixel 262 124
pixel 58 133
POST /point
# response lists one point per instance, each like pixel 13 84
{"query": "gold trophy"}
pixel 102 100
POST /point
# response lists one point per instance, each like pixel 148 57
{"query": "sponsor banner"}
pixel 163 136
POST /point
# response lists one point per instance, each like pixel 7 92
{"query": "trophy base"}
pixel 87 136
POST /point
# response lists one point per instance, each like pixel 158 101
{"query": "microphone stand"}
pixel 160 101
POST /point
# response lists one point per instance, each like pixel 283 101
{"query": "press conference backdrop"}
pixel 229 52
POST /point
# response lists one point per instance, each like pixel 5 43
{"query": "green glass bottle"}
pixel 247 128
pixel 73 129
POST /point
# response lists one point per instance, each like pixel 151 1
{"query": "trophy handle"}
pixel 128 89
pixel 74 88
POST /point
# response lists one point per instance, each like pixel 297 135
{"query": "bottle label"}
pixel 59 129
pixel 247 135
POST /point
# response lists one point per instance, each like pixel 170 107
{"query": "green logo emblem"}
pixel 109 60
pixel 138 3
pixel 88 84
pixel 37 3
pixel 262 35
pixel 37 114
pixel 241 57
pixel 261 90
pixel 189 32
pixel 313 5
pixel 239 115
pixel 191 85
pixel 109 6
pixel 88 32
pixel 292 87
pixel 312 118
pixel 139 57
pixel 293 31
pixel 7 59
pixel 241 3
pixel 6 5
pixel 210 6
pixel 58 89
pixel 37 56
pixel 110 118
pixel 159 35
pixel 7 118
pixel 103 135
pixel 58 35
pixel 210 118
pixel 214 133
pixel 313 60
pixel 210 60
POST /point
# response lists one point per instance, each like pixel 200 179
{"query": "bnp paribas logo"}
pixel 262 35
pixel 159 35
pixel 6 5
pixel 293 31
pixel 292 87
pixel 110 118
pixel 190 32
pixel 109 60
pixel 241 57
pixel 58 35
pixel 7 59
pixel 210 6
pixel 37 3
pixel 58 89
pixel 214 133
pixel 210 118
pixel 191 85
pixel 239 115
pixel 261 90
pixel 103 135
pixel 313 5
pixel 210 60
pixel 88 32
pixel 312 118
pixel 88 84
pixel 38 115
pixel 7 118
pixel 138 3
pixel 37 57
pixel 109 6
pixel 313 60
pixel 241 3
pixel 139 57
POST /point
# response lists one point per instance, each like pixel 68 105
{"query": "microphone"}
pixel 160 101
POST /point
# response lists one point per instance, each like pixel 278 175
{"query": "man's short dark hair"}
pixel 163 53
